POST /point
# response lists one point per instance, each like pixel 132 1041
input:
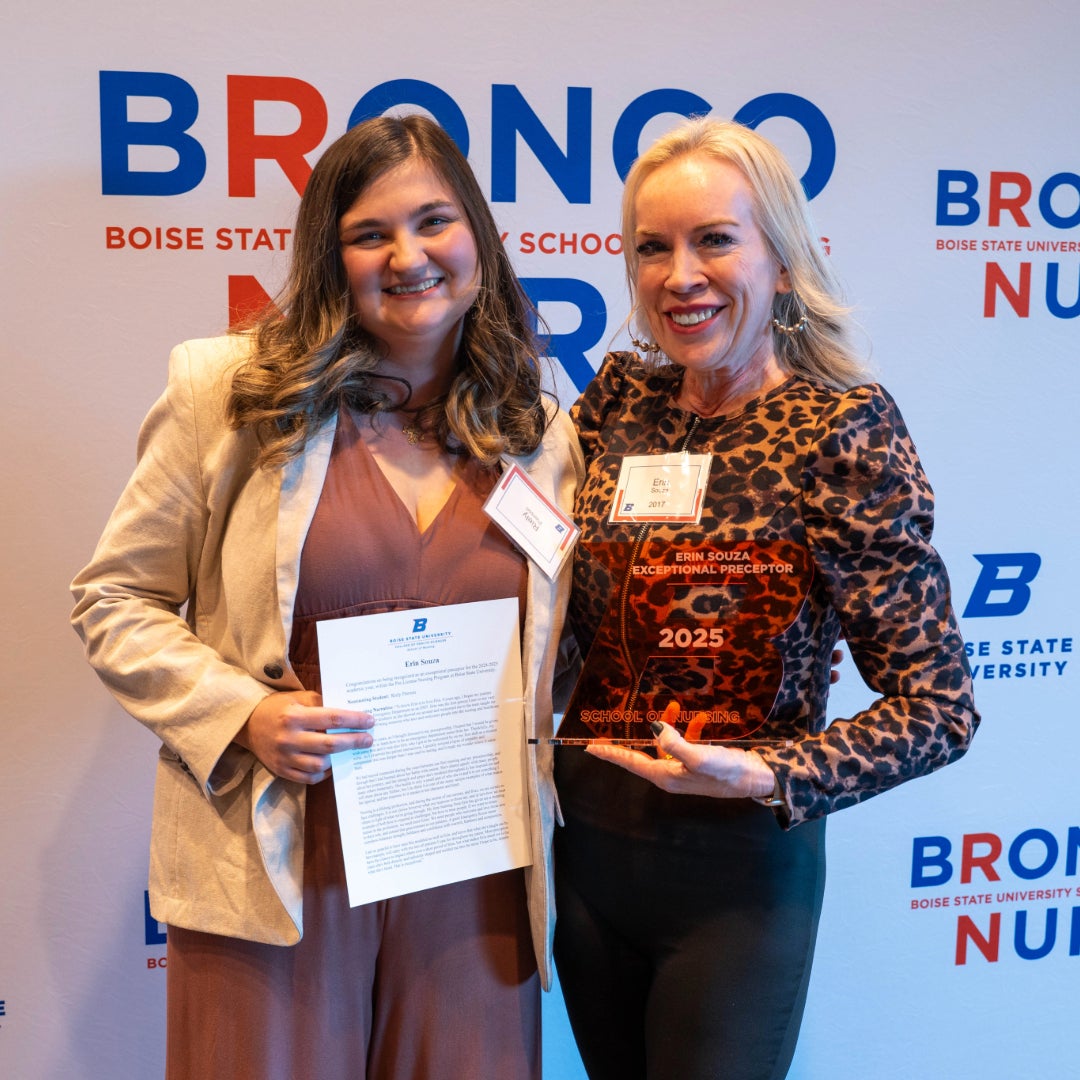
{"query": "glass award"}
pixel 695 623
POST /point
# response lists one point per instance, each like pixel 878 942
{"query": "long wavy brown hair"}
pixel 310 356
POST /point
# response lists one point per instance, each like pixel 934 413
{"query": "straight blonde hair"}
pixel 823 349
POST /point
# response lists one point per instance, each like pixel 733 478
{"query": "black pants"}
pixel 686 955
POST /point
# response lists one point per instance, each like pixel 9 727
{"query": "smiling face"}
pixel 411 262
pixel 705 277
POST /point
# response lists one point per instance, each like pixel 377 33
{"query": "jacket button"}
pixel 273 671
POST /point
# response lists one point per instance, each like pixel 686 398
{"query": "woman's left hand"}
pixel 687 768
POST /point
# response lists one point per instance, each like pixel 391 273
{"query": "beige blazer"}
pixel 186 612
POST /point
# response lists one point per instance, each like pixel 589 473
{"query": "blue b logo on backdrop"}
pixel 1003 590
pixel 1003 587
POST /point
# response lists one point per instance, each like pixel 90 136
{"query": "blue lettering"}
pixel 641 110
pixel 1020 936
pixel 930 852
pixel 1018 868
pixel 570 349
pixel 118 134
pixel 1046 193
pixel 1052 303
pixel 155 935
pixel 964 197
pixel 386 96
pixel 511 116
pixel 813 122
pixel 1015 587
pixel 1072 849
pixel 625 143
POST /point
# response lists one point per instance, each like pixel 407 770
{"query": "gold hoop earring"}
pixel 645 346
pixel 799 325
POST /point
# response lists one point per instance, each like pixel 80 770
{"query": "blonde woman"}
pixel 689 883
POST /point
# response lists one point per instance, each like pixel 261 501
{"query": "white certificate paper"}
pixel 441 794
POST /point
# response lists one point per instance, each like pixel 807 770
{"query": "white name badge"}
pixel 531 520
pixel 661 487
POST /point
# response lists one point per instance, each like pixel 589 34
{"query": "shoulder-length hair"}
pixel 823 348
pixel 309 355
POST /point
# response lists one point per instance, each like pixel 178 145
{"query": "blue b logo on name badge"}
pixel 419 626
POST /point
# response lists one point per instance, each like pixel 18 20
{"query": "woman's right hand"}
pixel 290 733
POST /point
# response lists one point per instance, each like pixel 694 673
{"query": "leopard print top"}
pixel 829 478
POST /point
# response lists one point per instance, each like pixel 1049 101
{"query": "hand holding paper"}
pixel 294 735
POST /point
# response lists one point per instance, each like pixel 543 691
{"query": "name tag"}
pixel 531 520
pixel 661 487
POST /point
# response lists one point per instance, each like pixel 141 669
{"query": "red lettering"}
pixel 247 300
pixel 966 931
pixel 969 860
pixel 1013 204
pixel 246 147
pixel 1019 298
pixel 170 238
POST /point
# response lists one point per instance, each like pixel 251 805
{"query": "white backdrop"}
pixel 951 935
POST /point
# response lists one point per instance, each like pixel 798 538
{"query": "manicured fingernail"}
pixel 657 727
